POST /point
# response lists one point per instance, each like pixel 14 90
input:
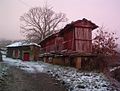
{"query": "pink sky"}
pixel 101 12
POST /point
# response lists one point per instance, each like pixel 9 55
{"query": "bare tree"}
pixel 5 42
pixel 39 22
pixel 104 42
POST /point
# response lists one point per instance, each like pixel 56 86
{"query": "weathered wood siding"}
pixel 68 40
pixel 83 39
pixel 59 44
pixel 48 45
pixel 53 43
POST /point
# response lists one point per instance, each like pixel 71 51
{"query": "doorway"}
pixel 26 56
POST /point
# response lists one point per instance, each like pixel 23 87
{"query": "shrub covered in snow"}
pixel 76 80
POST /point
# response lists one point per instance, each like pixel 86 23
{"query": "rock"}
pixel 97 87
pixel 63 82
pixel 80 86
pixel 104 85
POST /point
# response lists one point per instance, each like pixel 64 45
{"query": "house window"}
pixel 16 53
pixel 13 54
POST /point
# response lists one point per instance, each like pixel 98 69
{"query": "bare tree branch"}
pixel 104 42
pixel 39 22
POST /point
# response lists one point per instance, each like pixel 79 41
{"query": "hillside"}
pixel 71 78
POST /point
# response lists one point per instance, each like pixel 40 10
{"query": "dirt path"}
pixel 22 81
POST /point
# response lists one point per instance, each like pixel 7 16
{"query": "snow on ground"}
pixel 28 66
pixel 114 68
pixel 72 78
pixel 3 69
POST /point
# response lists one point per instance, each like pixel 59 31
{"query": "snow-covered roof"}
pixel 22 43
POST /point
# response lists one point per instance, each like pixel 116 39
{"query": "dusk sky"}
pixel 101 12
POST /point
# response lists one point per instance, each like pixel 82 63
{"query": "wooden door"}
pixel 26 57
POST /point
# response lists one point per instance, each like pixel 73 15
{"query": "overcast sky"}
pixel 101 12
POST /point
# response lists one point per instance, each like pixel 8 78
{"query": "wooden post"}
pixel 45 59
pixel 0 57
pixel 66 61
pixel 78 62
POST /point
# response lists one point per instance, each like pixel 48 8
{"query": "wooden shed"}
pixel 23 51
pixel 70 45
pixel 78 36
pixel 74 37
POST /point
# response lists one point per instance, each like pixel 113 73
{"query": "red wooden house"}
pixel 74 39
pixel 24 51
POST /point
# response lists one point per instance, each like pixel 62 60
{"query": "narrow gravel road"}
pixel 22 81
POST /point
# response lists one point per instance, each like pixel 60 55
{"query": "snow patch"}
pixel 27 66
pixel 72 78
pixel 114 68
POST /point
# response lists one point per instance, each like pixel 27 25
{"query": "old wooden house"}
pixel 24 51
pixel 72 45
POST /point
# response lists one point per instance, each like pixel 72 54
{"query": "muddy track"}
pixel 20 80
